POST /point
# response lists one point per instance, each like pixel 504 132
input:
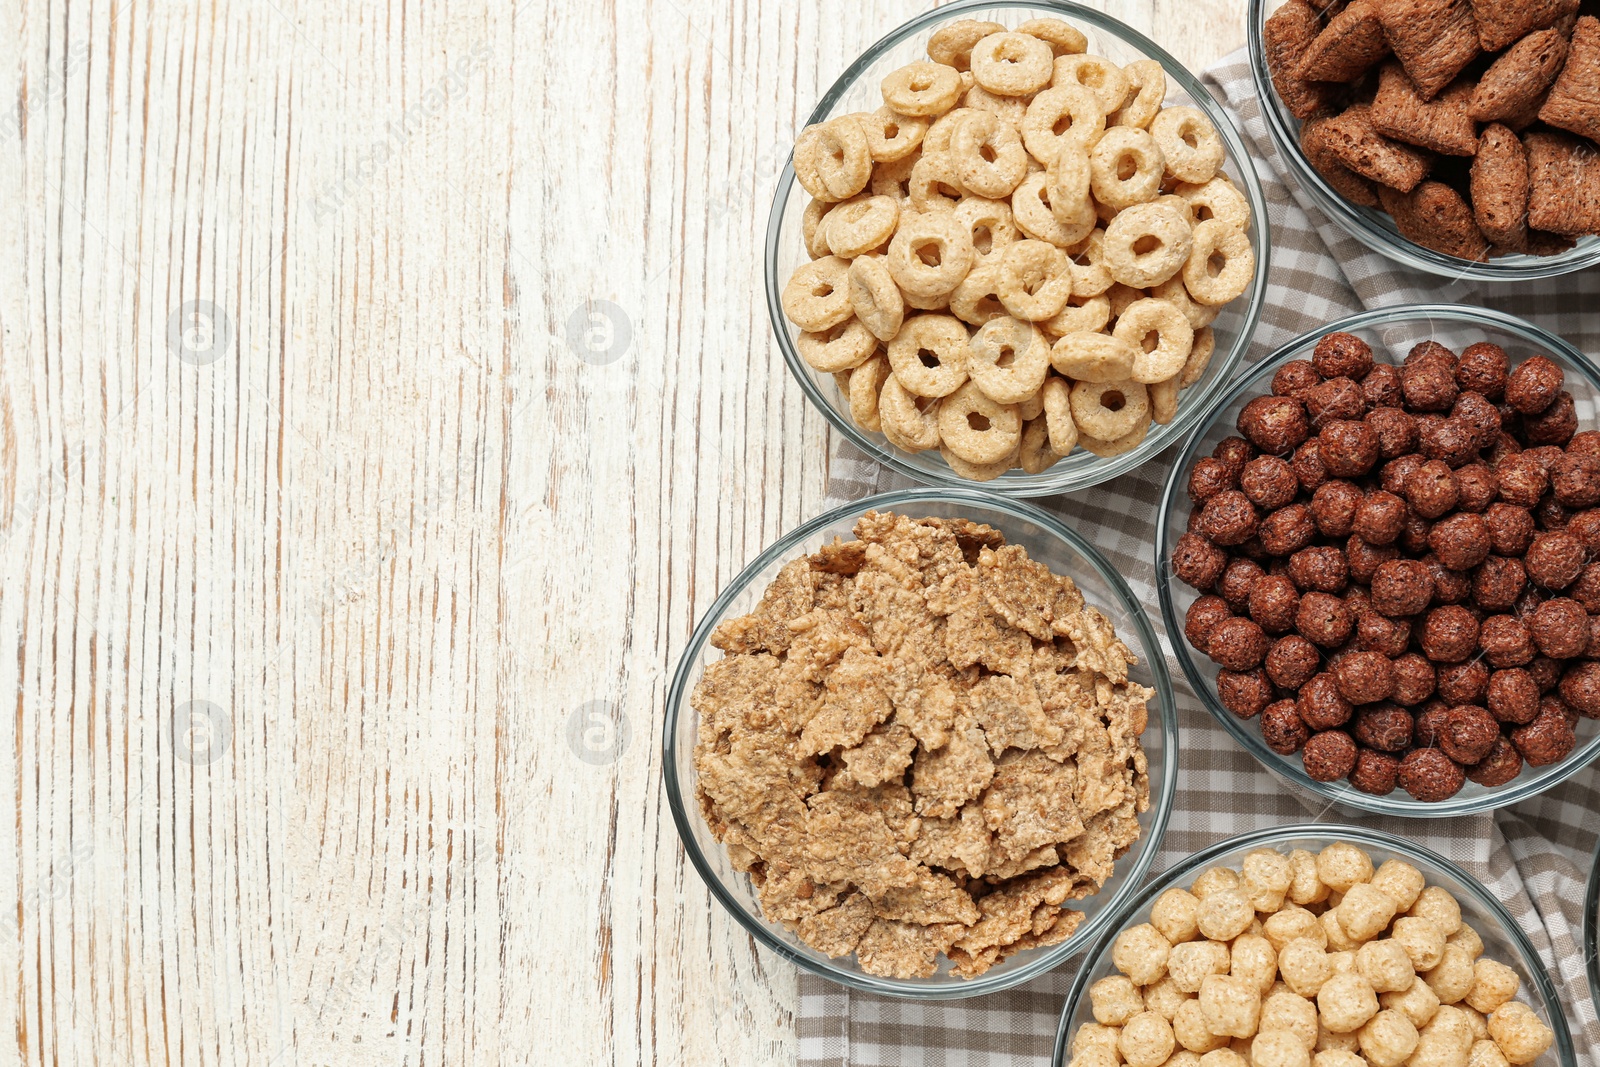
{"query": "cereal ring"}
pixel 1081 315
pixel 1121 296
pixel 866 382
pixel 1215 283
pixel 1146 244
pixel 1063 38
pixel 1034 454
pixel 1191 145
pixel 1174 339
pixel 904 420
pixel 1057 396
pixel 817 296
pixel 1093 357
pixel 1109 410
pixel 1163 401
pixel 842 347
pixel 977 299
pixel 935 183
pixel 857 227
pixel 840 157
pixel 1035 281
pixel 915 302
pixel 929 255
pixel 1095 73
pixel 988 221
pixel 951 44
pixel 1012 109
pixel 1069 182
pixel 1205 343
pixel 1218 198
pixel 1149 82
pixel 989 154
pixel 1116 447
pixel 804 161
pixel 812 230
pixel 976 428
pixel 892 136
pixel 1008 360
pixel 1059 116
pixel 1032 407
pixel 1032 209
pixel 980 472
pixel 1012 64
pixel 875 298
pixel 893 179
pixel 1178 204
pixel 1125 167
pixel 941 134
pixel 1173 292
pixel 1090 275
pixel 929 355
pixel 922 88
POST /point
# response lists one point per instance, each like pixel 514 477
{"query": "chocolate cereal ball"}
pixel 1461 542
pixel 1328 756
pixel 1384 727
pixel 1476 487
pixel 1237 644
pixel 1414 680
pixel 1555 559
pixel 1348 449
pixel 1428 722
pixel 1468 734
pixel 1546 672
pixel 1282 728
pixel 1431 489
pixel 1237 579
pixel 1245 693
pixel 1480 417
pixel 1324 620
pixel 1430 776
pixel 1393 474
pixel 1342 355
pixel 1276 425
pixel 1333 507
pixel 1269 482
pixel 1586 590
pixel 1522 480
pixel 1382 387
pixel 1513 696
pixel 1483 368
pixel 1550 514
pixel 1505 641
pixel 1429 385
pixel 1511 529
pixel 1197 562
pixel 1363 560
pixel 1336 398
pixel 1307 464
pixel 1395 429
pixel 1498 583
pixel 1294 378
pixel 1505 446
pixel 1463 683
pixel 1555 425
pixel 1234 453
pixel 1379 633
pixel 1449 587
pixel 1287 530
pixel 1202 616
pixel 1401 587
pixel 1365 677
pixel 1414 534
pixel 1575 480
pixel 1208 477
pixel 1549 738
pixel 1560 628
pixel 1544 455
pixel 1585 526
pixel 1501 765
pixel 1380 518
pixel 1374 772
pixel 1321 704
pixel 1449 634
pixel 1532 387
pixel 1585 443
pixel 1292 662
pixel 1320 568
pixel 1449 440
pixel 1274 600
pixel 1580 688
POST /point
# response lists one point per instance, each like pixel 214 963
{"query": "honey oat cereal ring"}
pixel 1070 178
pixel 1163 357
pixel 1012 64
pixel 1093 357
pixel 1220 264
pixel 1035 215
pixel 1008 361
pixel 1060 116
pixel 1013 109
pixel 988 221
pixel 817 296
pixel 922 88
pixel 934 184
pixel 951 44
pixel 1173 292
pixel 840 157
pixel 1194 368
pixel 1080 315
pixel 1148 84
pixel 977 299
pixel 893 179
pixel 1146 244
pixel 1189 142
pixel 1057 396
pixel 1218 199
pixel 866 382
pixel 1121 296
pixel 892 136
pixel 1095 73
pixel 979 472
pixel 904 421
pixel 1109 410
pixel 1063 38
pixel 941 133
pixel 976 428
pixel 1163 401
pixel 929 355
pixel 875 298
pixel 1090 275
pixel 989 155
pixel 930 254
pixel 1035 281
pixel 1125 167
pixel 1034 455
pixel 812 231
pixel 856 227
pixel 1032 407
pixel 842 347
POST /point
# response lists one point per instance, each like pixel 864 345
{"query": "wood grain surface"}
pixel 384 391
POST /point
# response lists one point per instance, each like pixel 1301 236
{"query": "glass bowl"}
pixel 1393 331
pixel 1503 940
pixel 1057 546
pixel 1591 929
pixel 857 90
pixel 1372 227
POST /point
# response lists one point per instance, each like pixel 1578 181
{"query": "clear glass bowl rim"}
pixel 1384 805
pixel 1328 833
pixel 1374 236
pixel 783 548
pixel 1043 484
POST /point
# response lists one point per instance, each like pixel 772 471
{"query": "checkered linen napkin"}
pixel 1534 856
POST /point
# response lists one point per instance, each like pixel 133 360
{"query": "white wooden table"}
pixel 383 394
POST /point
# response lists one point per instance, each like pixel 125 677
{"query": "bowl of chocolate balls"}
pixel 1379 561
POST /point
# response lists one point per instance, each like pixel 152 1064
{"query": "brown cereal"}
pixel 1414 679
pixel 1324 620
pixel 1563 184
pixel 1505 641
pixel 1286 36
pixel 1501 765
pixel 1328 756
pixel 1440 125
pixel 1483 368
pixel 1463 683
pixel 1555 559
pixel 1384 727
pixel 1274 601
pixel 1430 776
pixel 1283 729
pixel 1294 378
pixel 1498 583
pixel 1333 507
pixel 1572 102
pixel 1468 734
pixel 1335 398
pixel 1461 542
pixel 1316 143
pixel 1355 142
pixel 1287 530
pixel 1365 677
pixel 1549 738
pixel 1436 216
pixel 1292 661
pixel 1555 425
pixel 1434 39
pixel 1378 633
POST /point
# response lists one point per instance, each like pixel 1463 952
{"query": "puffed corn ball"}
pixel 1017 214
pixel 1347 966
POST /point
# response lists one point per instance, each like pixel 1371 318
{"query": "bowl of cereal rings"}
pixel 1376 556
pixel 1335 942
pixel 1018 243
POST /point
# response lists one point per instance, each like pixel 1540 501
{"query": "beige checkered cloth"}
pixel 1534 856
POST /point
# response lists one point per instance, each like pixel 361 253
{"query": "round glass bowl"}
pixel 1047 541
pixel 1372 227
pixel 1502 939
pixel 1391 332
pixel 858 90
